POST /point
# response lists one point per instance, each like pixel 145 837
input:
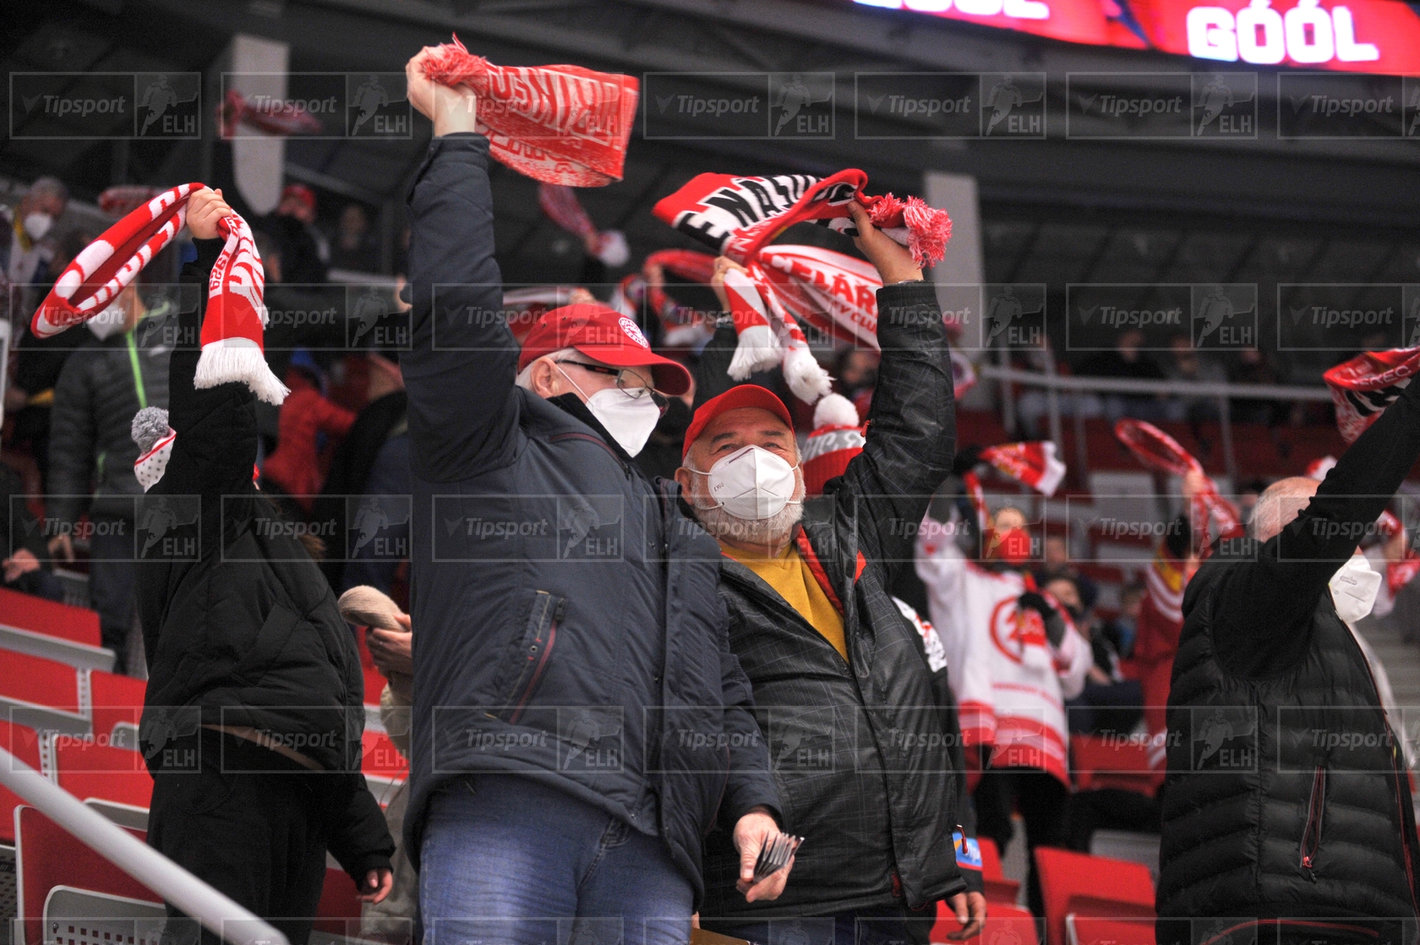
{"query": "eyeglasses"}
pixel 629 382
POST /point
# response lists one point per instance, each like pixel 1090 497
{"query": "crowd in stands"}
pixel 1010 599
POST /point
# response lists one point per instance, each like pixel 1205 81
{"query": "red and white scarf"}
pixel 1032 464
pixel 559 124
pixel 562 207
pixel 125 198
pixel 236 316
pixel 270 116
pixel 740 215
pixel 1210 515
pixel 1368 383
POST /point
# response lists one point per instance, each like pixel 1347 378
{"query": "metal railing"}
pixel 213 910
pixel 1056 386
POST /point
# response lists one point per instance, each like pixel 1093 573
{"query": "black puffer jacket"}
pixel 861 748
pixel 569 625
pixel 103 384
pixel 1285 798
pixel 240 627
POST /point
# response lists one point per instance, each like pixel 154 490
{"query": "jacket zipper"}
pixel 540 650
pixel 1311 833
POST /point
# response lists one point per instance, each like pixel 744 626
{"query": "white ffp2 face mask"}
pixel 1354 587
pixel 628 420
pixel 37 224
pixel 752 483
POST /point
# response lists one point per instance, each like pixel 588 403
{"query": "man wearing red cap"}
pixel 843 689
pixel 579 721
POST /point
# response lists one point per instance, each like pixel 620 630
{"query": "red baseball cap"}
pixel 602 335
pixel 302 193
pixel 741 395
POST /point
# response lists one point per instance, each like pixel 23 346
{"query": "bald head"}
pixel 1279 504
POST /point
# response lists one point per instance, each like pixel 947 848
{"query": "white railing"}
pixel 1055 385
pixel 216 912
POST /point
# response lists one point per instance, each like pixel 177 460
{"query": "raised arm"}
pixel 911 433
pixel 459 373
pixel 1263 600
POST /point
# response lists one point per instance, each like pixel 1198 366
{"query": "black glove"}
pixel 965 460
pixel 1054 623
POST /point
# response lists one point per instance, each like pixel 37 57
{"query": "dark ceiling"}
pixel 1138 202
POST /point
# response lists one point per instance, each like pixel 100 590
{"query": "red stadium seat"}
pixel 22 742
pixel 37 615
pixel 1091 930
pixel 46 855
pixel 1112 763
pixel 117 701
pixel 40 681
pixel 1088 885
pixel 88 769
pixel 1005 925
pixel 339 909
pixel 998 888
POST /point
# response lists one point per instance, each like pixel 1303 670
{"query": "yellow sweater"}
pixel 789 574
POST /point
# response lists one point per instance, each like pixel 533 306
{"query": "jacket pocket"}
pixel 525 662
pixel 1311 831
pixel 271 639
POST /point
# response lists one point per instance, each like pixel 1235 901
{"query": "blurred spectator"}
pixel 306 420
pixel 370 467
pixel 855 372
pixel 1122 630
pixel 661 456
pixel 1248 491
pixel 354 245
pixel 300 244
pixel 91 451
pixel 1109 702
pixel 25 258
pixel 38 362
pixel 1190 366
pixel 25 567
pixel 1127 361
pixel 1057 563
pixel 1253 366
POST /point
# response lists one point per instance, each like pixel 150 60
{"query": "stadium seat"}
pixel 1088 885
pixel 117 704
pixel 1121 763
pixel 1092 930
pixel 22 742
pixel 380 758
pixel 36 680
pixel 46 855
pixel 37 615
pixel 87 768
pixel 1005 925
pixel 998 888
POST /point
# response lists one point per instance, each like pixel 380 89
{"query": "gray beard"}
pixel 766 532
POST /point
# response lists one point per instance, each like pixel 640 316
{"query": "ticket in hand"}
pixel 775 854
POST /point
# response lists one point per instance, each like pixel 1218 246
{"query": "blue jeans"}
pixel 884 925
pixel 508 861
